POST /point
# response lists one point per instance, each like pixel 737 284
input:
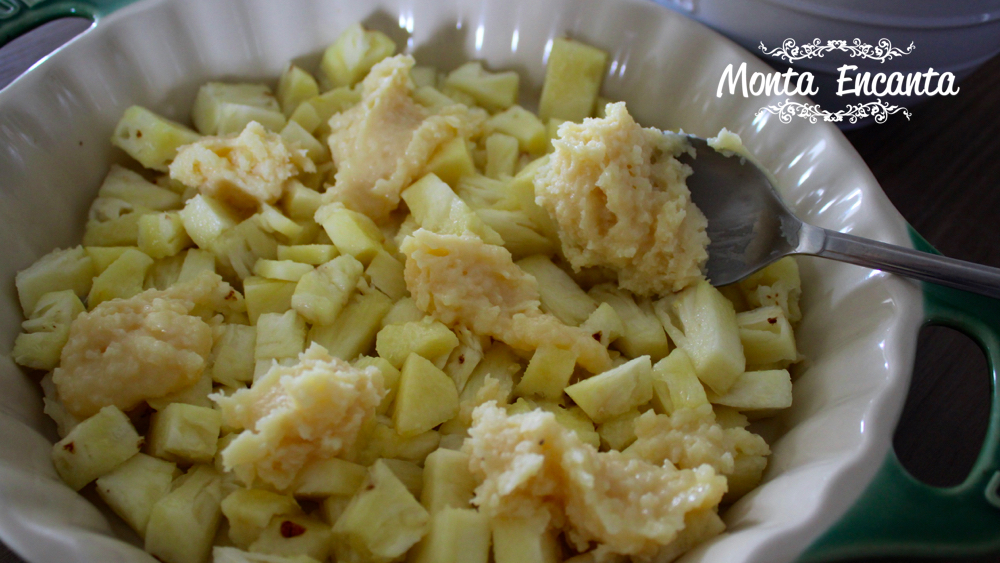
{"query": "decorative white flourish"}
pixel 881 52
pixel 853 113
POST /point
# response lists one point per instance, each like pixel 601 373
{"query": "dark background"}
pixel 941 169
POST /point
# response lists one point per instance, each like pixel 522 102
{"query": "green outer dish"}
pixel 896 514
pixel 899 515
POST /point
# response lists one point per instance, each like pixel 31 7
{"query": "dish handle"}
pixel 18 17
pixel 897 514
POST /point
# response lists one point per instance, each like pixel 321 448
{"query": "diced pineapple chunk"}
pixel 329 103
pixel 572 418
pixel 353 332
pixel 314 254
pixel 95 447
pixel 205 219
pixel 523 126
pixel 351 232
pixel 239 248
pixel 758 390
pixel 195 394
pixel 325 477
pixel 403 311
pixel 280 336
pixel 703 323
pixel 103 256
pixel 125 185
pixel 451 162
pixel 122 279
pixel 560 295
pixel 522 190
pixel 294 87
pixel 300 202
pixel 423 76
pixel 455 536
pixel 113 222
pixel 766 336
pixel 196 262
pixel 249 511
pixel 267 296
pixel 465 358
pixel 524 540
pixel 162 234
pixel 320 295
pixel 784 275
pixel 604 324
pixel 501 155
pixel 47 330
pixel 432 98
pixel 281 270
pixel 518 232
pixel 307 116
pixel 426 398
pixel 294 535
pixel 333 507
pixel 184 433
pixel 494 91
pixel 386 274
pixel 428 338
pixel 644 335
pixel 183 523
pixel 354 53
pixel 572 80
pixel 274 221
pixel 390 379
pixel 619 432
pixel 295 134
pixel 149 138
pixel 223 109
pixel 164 272
pixel 58 270
pixel 448 483
pixel 548 373
pixel 135 486
pixel 615 391
pixel 232 555
pixel 436 208
pixel 674 378
pixel 382 521
pixel 409 474
pixel 233 355
pixel 385 442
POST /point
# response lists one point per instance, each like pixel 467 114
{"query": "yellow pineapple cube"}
pixel 436 208
pixel 455 536
pixel 223 109
pixel 428 338
pixel 205 219
pixel 572 418
pixel 644 335
pixel 314 254
pixel 523 126
pixel 294 535
pixel 294 87
pixel 548 373
pixel 386 274
pixel 447 483
pixel 353 332
pixel 135 486
pixel 703 323
pixel 464 359
pixel 113 222
pixel 320 294
pixel 619 432
pixel 409 474
pixel 296 135
pixel 560 295
pixel 125 185
pixel 459 97
pixel 757 390
pixel 481 193
pixel 423 76
pixel 103 256
pixel 518 232
pixel 149 138
pixel 239 248
pixel 95 447
pixel 249 511
pixel 352 233
pixel 403 311
pixel 274 221
pixel 333 507
pixel 494 91
pixel 390 379
pixel 615 391
pixel 183 523
pixel 604 324
pixel 233 555
pixel 766 336
pixel 233 355
pixel 325 477
pixel 451 162
pixel 162 234
pixel 196 262
pixel 195 394
pixel 281 269
pixel 386 442
pixel 524 540
pixel 353 54
pixel 502 152
pixel 47 330
pixel 327 104
pixel 183 432
pixel 164 272
pixel 522 190
pixel 783 277
pixel 432 98
pixel 307 116
pixel 122 279
pixel 383 521
pixel 675 384
pixel 58 270
pixel 300 202
pixel 573 78
pixel 280 336
pixel 267 296
pixel 426 398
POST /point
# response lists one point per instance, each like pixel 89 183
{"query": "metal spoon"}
pixel 750 227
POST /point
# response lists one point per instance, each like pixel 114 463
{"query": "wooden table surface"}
pixel 942 171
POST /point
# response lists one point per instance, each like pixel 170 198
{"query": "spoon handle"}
pixel 933 268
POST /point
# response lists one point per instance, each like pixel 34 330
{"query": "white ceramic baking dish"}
pixel 858 332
